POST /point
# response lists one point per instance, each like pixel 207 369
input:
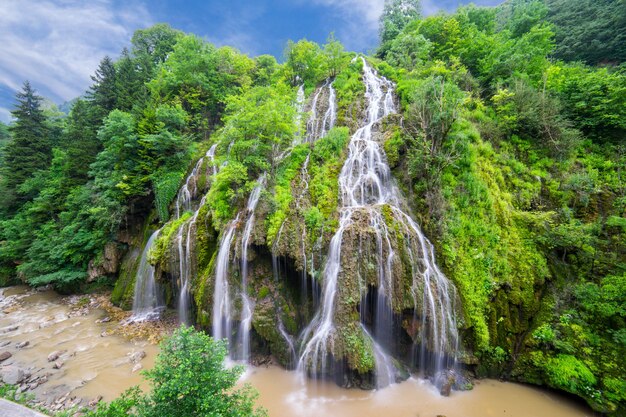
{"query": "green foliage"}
pixel 225 191
pixel 283 193
pixel 260 123
pixel 396 15
pixel 200 77
pixel 589 31
pixel 305 62
pixel 324 168
pixel 594 99
pixel 189 379
pixel 165 189
pixel 29 151
pixel 158 254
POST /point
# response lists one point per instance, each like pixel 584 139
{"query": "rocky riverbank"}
pixel 70 352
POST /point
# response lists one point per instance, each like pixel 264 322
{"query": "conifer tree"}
pixel 102 93
pixel 30 149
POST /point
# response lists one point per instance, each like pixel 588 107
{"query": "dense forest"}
pixel 509 146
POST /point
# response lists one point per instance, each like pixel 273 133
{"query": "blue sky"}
pixel 57 44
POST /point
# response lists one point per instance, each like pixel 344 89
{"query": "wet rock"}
pixel 5 343
pixel 446 387
pixel 95 401
pixel 23 344
pixel 10 329
pixel 4 356
pixel 55 355
pixel 58 364
pixel 137 367
pixel 13 375
pixel 136 357
pixel 104 320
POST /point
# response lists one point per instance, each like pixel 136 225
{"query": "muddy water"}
pixel 283 395
pixel 94 363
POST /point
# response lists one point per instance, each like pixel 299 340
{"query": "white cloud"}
pixel 361 21
pixel 361 17
pixel 57 44
pixel 5 115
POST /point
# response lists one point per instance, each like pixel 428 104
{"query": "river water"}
pixel 99 364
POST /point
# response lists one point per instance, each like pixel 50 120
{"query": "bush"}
pixel 188 379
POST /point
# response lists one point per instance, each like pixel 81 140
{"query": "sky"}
pixel 57 44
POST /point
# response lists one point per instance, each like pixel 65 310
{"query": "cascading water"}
pixel 189 191
pixel 222 305
pixel 222 308
pixel 317 126
pixel 147 300
pixel 312 125
pixel 330 117
pixel 185 236
pixel 247 307
pixel 366 189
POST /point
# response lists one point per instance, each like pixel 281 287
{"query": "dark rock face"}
pixel 110 263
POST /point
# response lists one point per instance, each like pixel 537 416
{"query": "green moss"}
pixel 263 292
pixel 283 193
pixel 159 253
pixel 350 92
pixel 357 348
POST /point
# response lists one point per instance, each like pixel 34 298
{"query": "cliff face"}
pixel 493 215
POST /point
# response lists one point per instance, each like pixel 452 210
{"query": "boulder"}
pixel 22 344
pixel 4 356
pixel 135 357
pixel 55 355
pixel 58 364
pixel 13 375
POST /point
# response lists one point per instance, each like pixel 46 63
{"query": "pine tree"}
pixel 80 141
pixel 30 149
pixel 102 93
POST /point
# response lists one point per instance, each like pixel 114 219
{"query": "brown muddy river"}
pixel 95 364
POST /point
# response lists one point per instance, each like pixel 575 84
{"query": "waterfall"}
pixel 147 300
pixel 185 236
pixel 385 369
pixel 316 126
pixel 366 189
pixel 299 109
pixel 247 307
pixel 222 305
pixel 189 191
pixel 289 340
pixel 313 122
pixel 330 117
pixel 222 314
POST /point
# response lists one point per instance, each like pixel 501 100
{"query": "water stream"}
pixel 367 191
pixel 97 365
pixel 147 300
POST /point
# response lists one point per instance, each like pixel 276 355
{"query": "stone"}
pixel 13 375
pixel 55 355
pixel 58 364
pixel 4 356
pixel 5 343
pixel 10 328
pixel 22 344
pixel 135 357
pixel 95 401
pixel 137 367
